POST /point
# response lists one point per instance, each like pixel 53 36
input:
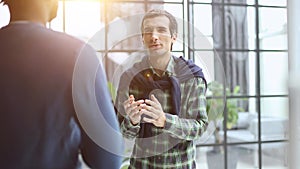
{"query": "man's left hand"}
pixel 153 109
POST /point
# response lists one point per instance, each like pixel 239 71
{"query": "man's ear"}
pixel 143 38
pixel 174 37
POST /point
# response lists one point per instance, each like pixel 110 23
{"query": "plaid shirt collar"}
pixel 170 71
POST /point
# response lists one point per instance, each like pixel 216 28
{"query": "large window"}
pixel 242 46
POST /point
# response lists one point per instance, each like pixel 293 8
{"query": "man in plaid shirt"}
pixel 161 100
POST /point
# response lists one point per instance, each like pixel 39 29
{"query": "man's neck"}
pixel 33 13
pixel 160 63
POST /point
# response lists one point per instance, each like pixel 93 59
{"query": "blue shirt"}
pixel 39 126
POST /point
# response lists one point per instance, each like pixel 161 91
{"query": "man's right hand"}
pixel 132 109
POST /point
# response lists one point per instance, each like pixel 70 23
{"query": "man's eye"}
pixel 162 30
pixel 147 30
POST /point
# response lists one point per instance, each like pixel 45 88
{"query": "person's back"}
pixel 38 124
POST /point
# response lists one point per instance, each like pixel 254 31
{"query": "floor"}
pixel 245 160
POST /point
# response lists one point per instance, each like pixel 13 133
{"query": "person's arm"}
pixel 97 157
pixel 194 121
pixel 101 141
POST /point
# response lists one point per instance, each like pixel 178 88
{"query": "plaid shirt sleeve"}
pixel 193 119
pixel 128 130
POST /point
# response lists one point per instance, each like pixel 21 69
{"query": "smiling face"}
pixel 157 37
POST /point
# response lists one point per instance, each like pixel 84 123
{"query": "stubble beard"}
pixel 155 54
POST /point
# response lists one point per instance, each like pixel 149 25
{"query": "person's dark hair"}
pixel 4 2
pixel 159 12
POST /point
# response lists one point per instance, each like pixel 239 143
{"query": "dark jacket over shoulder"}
pixel 39 127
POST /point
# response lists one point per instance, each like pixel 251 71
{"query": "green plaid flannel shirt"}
pixel 173 146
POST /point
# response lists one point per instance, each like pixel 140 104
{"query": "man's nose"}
pixel 155 35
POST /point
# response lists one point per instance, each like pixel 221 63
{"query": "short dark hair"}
pixel 4 2
pixel 160 12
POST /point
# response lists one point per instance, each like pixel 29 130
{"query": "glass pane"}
pixel 274 118
pixel 210 157
pixel 275 107
pixel 239 28
pixel 120 10
pixel 275 155
pixel 155 1
pixel 203 24
pixel 241 156
pixel 240 70
pixel 5 15
pixel 205 59
pixel 201 162
pixel 202 42
pixel 251 21
pixel 241 120
pixel 272 2
pixel 249 2
pixel 177 11
pixel 273 73
pixel 124 39
pixel 252 77
pixel 83 18
pixel 273 32
pixel 204 1
pixel 115 62
pixel 123 30
pixel 167 1
pixel 233 109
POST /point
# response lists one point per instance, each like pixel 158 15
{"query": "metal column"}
pixel 294 82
